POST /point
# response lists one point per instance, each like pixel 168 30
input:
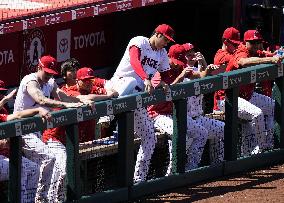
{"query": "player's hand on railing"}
pixel 148 86
pixel 163 85
pixel 211 67
pixel 277 59
pixel 112 93
pixel 44 113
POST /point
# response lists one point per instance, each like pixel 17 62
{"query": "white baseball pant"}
pixel 255 117
pixel 124 85
pixel 214 127
pixel 215 130
pixel 266 104
pixel 196 137
pixel 51 158
pixel 29 177
pixel 144 128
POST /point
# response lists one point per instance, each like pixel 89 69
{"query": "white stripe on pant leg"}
pixel 35 150
pixel 144 128
pixel 170 165
pixel 58 193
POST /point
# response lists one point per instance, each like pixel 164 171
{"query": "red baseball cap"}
pixel 167 31
pixel 252 35
pixel 188 46
pixel 177 54
pixel 2 85
pixel 232 34
pixel 85 73
pixel 48 63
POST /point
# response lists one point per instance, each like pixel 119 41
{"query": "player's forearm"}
pixel 254 61
pixel 44 101
pixel 178 79
pixel 23 114
pixel 93 97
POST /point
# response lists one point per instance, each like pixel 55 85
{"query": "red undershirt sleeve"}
pixel 135 54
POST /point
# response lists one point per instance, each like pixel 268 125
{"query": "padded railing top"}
pixel 128 103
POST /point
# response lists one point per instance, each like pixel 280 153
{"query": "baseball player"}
pixel 84 89
pixel 214 127
pixel 252 106
pixel 230 43
pixel 194 58
pixel 34 91
pixel 143 57
pixel 162 113
pixel 30 170
pixel 68 72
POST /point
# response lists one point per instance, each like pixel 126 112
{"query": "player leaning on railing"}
pixel 251 105
pixel 142 59
pixel 36 90
pixel 30 170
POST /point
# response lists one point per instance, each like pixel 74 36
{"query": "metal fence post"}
pixel 231 124
pixel 14 193
pixel 125 148
pixel 279 113
pixel 73 163
pixel 179 135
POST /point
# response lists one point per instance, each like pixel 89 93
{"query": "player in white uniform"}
pixel 162 113
pixel 35 90
pixel 142 59
pixel 29 169
pixel 214 127
pixel 252 106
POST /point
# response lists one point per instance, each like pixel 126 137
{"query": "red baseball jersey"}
pixel 86 128
pixel 221 57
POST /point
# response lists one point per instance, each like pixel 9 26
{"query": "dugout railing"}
pixel 123 109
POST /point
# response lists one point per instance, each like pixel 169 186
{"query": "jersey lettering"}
pixel 150 62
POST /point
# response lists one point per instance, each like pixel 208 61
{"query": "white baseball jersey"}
pixel 151 60
pixel 194 103
pixel 24 100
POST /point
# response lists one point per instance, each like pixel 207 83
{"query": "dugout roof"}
pixel 18 15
